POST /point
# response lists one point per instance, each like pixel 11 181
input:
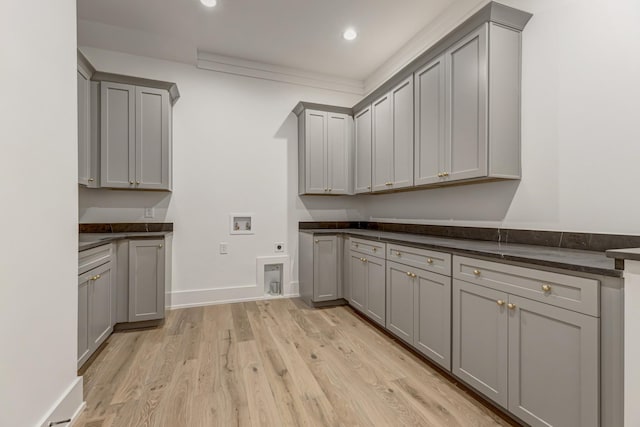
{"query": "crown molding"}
pixel 261 70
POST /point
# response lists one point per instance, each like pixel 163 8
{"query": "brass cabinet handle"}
pixel 138 182
pixel 330 189
pixel 368 187
pixel 511 306
pixel 500 302
pixel 160 246
pixel 388 183
pixel 131 182
pixel 409 273
pixel 429 261
pixel 317 241
pixel 364 260
pixel 445 173
pixel 375 249
pixel 90 179
pixel 357 245
pixel 414 275
pixel 398 253
pixel 476 272
pixel 440 175
pixel 546 288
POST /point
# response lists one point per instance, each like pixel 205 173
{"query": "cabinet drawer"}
pixel 436 262
pixel 368 247
pixel 94 257
pixel 570 292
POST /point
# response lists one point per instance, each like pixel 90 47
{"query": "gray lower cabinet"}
pixel 368 286
pixel 539 361
pixel 419 310
pixel 96 309
pixel 135 137
pixel 146 280
pixel 392 138
pixel 320 267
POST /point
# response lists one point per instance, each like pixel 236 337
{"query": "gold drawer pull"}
pixel 398 253
pixel 511 306
pixel 413 275
pixel 357 245
pixel 500 302
pixel 375 249
pixel 546 288
pixel 440 175
pixel 429 261
pixel 317 241
pixel 388 183
pixel 476 272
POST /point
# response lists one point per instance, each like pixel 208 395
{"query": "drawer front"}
pixel 561 290
pixel 95 257
pixel 368 247
pixel 436 262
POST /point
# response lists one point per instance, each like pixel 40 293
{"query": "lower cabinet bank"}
pixel 540 344
pixel 121 284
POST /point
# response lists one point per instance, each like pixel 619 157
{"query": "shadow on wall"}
pixel 485 202
pixel 103 205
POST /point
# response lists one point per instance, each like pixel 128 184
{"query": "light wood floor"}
pixel 269 363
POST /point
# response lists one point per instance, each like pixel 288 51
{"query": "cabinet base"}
pixel 321 304
pixel 146 324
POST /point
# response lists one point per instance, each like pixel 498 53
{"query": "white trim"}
pixel 231 294
pixel 69 405
pixel 261 70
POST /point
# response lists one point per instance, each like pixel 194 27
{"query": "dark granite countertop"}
pixel 93 240
pixel 568 259
pixel 630 254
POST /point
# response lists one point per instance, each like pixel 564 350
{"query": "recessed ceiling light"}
pixel 349 34
pixel 209 3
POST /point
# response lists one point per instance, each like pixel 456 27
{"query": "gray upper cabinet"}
pixel 325 144
pixel 117 136
pixel 135 137
pixel 363 122
pixel 87 143
pixel 430 111
pixel 325 268
pixel 392 138
pixel 146 279
pixel 467 115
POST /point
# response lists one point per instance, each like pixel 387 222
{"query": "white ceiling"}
pixel 300 34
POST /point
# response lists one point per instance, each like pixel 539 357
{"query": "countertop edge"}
pixel 114 237
pixel 632 254
pixel 459 251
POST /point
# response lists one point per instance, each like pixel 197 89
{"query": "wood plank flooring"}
pixel 269 363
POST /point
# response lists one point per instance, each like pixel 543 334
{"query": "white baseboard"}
pixel 203 297
pixel 69 406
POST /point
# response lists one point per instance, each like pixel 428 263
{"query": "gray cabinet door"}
pixel 101 305
pixel 363 151
pixel 376 293
pixel 400 301
pixel 403 113
pixel 152 149
pixel 382 144
pixel 146 280
pixel 83 318
pixel 346 262
pixel 84 126
pixel 553 365
pixel 338 153
pixel 430 111
pixel 357 280
pixel 466 153
pixel 325 268
pixel 432 311
pixel 479 345
pixel 316 151
pixel 117 135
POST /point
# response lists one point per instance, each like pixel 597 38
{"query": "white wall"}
pixel 235 150
pixel 580 138
pixel 38 212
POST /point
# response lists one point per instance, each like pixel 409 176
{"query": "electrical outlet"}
pixel 148 212
pixel 278 247
pixel 224 248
